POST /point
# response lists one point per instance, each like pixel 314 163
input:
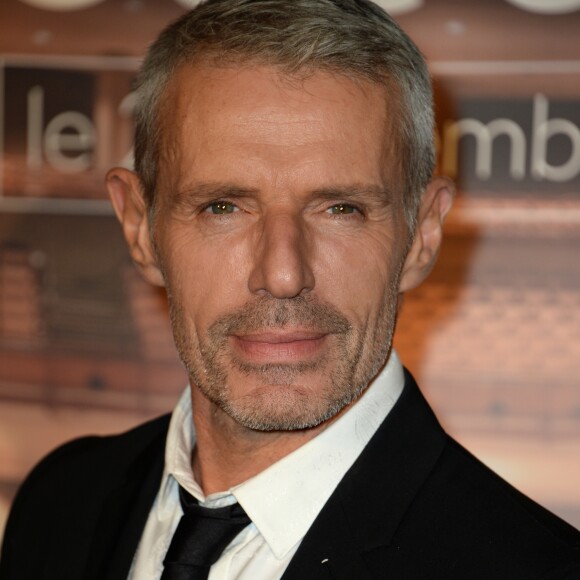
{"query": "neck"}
pixel 227 453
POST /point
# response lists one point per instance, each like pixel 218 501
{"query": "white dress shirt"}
pixel 282 501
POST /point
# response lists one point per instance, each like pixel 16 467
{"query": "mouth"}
pixel 280 346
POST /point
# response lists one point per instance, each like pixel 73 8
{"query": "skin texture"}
pixel 280 237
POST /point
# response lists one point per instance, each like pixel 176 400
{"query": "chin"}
pixel 277 407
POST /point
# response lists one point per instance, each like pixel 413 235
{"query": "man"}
pixel 283 195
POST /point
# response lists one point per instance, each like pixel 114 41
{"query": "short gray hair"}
pixel 354 38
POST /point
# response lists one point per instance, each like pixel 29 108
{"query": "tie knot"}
pixel 190 506
pixel 201 536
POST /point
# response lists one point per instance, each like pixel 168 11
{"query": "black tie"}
pixel 200 538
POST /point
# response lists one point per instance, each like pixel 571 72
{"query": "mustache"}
pixel 268 313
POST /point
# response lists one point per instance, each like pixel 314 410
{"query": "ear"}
pixel 127 197
pixel 436 202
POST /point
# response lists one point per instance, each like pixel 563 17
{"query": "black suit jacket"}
pixel 414 506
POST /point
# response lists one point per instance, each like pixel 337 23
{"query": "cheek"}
pixel 204 279
pixel 357 275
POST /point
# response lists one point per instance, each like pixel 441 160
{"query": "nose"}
pixel 282 257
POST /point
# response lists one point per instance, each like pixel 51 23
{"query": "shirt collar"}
pixel 284 500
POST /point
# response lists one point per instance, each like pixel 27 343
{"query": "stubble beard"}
pixel 286 396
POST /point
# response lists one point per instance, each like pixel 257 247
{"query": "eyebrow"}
pixel 209 191
pixel 216 190
pixel 379 194
pixel 356 190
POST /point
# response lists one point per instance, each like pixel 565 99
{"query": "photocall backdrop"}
pixel 493 336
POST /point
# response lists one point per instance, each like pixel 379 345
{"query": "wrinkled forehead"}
pixel 203 103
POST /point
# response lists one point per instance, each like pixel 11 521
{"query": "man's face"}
pixel 281 238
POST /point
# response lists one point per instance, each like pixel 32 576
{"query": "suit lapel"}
pixel 329 551
pixel 125 513
pixel 354 529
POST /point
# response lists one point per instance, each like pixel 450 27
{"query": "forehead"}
pixel 214 114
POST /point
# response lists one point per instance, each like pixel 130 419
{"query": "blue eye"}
pixel 342 209
pixel 221 208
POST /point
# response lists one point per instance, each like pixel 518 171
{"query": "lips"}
pixel 280 346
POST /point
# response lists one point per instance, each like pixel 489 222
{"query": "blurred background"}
pixel 494 335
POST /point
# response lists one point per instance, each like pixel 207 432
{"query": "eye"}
pixel 342 209
pixel 221 208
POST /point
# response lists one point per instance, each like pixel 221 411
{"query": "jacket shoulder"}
pixel 473 524
pixel 91 458
pixel 67 489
